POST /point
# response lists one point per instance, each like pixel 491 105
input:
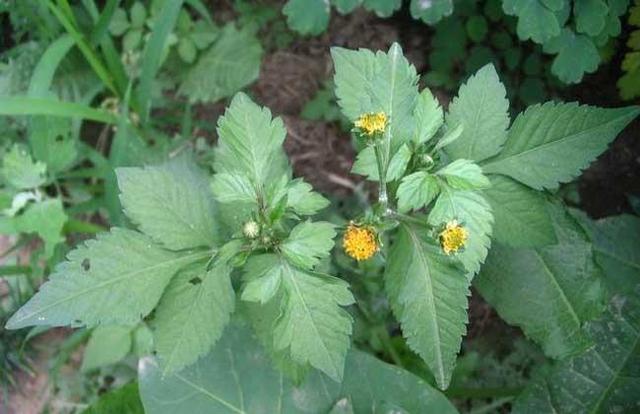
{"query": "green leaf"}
pixel 345 6
pixel 309 242
pixel 521 216
pixel 20 171
pixel 416 191
pixel 602 380
pixel 187 50
pixel 229 65
pixel 577 55
pixel 119 22
pixel 464 175
pixel 535 20
pixel 170 203
pixel 47 219
pixel 615 244
pixel 107 345
pixel 125 399
pixel 312 326
pixel 366 163
pixel 551 143
pixel 51 142
pixel 132 40
pixel 193 312
pixel 429 117
pixel 138 15
pixel 481 108
pixel 549 291
pixel 237 377
pixel 307 17
pixel 382 8
pixel 590 16
pixel 428 293
pixel 21 105
pixel 233 188
pixel 477 28
pixel 250 143
pixel 474 212
pixel 303 200
pixel 432 11
pixel 116 279
pixel 263 276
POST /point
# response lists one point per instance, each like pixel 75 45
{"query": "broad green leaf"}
pixel 191 315
pixel 309 242
pixel 382 8
pixel 51 142
pixel 432 11
pixel 116 279
pixel 521 216
pixel 416 191
pixel 474 212
pixel 46 218
pixel 535 20
pixel 171 203
pixel 313 326
pixel 481 107
pixel 551 143
pixel 107 345
pixel 250 143
pixel 307 17
pixel 604 379
pixel 428 293
pixel 590 16
pixel 229 65
pixel 20 171
pixel 123 400
pixel 303 200
pixel 263 276
pixel 429 117
pixel 464 175
pixel 576 55
pixel 233 188
pixel 237 377
pixel 615 244
pixel 367 165
pixel 550 292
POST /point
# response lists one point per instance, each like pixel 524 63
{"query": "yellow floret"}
pixel 453 237
pixel 372 123
pixel 360 242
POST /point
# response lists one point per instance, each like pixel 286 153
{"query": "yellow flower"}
pixel 372 123
pixel 360 242
pixel 453 237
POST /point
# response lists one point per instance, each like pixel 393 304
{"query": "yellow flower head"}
pixel 453 237
pixel 372 123
pixel 360 242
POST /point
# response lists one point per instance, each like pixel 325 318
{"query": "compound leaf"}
pixel 535 20
pixel 417 190
pixel 576 55
pixel 464 175
pixel 303 200
pixel 309 242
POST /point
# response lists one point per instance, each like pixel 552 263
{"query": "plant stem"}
pixel 382 162
pixel 489 408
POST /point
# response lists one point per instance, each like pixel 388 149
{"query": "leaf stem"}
pixel 383 197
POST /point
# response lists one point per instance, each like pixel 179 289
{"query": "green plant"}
pixel 629 83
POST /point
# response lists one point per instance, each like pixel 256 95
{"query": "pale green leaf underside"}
pixel 191 315
pixel 117 278
pixel 551 143
pixel 549 291
pixel 171 203
pixel 225 382
pixel 605 379
pixel 521 216
pixel 428 293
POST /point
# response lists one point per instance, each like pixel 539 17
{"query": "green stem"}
pixel 490 408
pixel 383 197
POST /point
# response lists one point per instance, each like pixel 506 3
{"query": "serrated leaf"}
pixel 116 279
pixel 464 175
pixel 429 117
pixel 307 17
pixel 107 345
pixel 382 8
pixel 416 191
pixel 46 218
pixel 51 142
pixel 172 203
pixel 366 164
pixel 431 12
pixel 602 380
pixel 309 242
pixel 193 312
pixel 233 188
pixel 549 291
pixel 230 64
pixel 313 326
pixel 590 16
pixel 250 143
pixel 225 382
pixel 615 244
pixel 576 55
pixel 521 216
pixel 535 20
pixel 263 276
pixel 20 171
pixel 303 200
pixel 474 212
pixel 428 292
pixel 551 143
pixel 481 108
